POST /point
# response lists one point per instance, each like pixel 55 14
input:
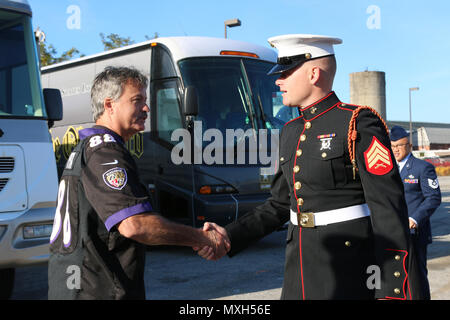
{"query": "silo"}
pixel 368 88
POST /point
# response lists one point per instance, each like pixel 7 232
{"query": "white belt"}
pixel 313 219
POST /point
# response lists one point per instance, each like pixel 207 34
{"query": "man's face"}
pixel 294 86
pixel 401 148
pixel 130 110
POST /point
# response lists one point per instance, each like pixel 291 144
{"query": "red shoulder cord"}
pixel 352 134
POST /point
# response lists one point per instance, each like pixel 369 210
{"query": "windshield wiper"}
pixel 248 95
pixel 263 115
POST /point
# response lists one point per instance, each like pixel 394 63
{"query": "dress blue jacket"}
pixel 422 194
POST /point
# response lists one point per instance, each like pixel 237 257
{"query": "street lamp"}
pixel 231 23
pixel 39 35
pixel 410 117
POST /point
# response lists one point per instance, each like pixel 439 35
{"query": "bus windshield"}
pixel 20 92
pixel 236 93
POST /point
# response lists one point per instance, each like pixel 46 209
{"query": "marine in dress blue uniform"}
pixel 338 187
pixel 423 197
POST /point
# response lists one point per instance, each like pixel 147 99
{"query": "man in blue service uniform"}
pixel 104 218
pixel 337 184
pixel 423 197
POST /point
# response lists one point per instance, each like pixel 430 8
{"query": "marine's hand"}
pixel 220 242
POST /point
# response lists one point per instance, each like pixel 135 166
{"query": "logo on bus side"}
pixel 136 145
pixel 69 141
pixel 72 137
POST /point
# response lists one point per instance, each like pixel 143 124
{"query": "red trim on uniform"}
pixel 406 281
pixel 295 163
pixel 301 264
pixel 303 109
pixel 293 179
pixel 409 290
pixel 323 112
pixel 353 105
pixel 293 120
pixel 342 108
pixel 311 105
pixel 298 210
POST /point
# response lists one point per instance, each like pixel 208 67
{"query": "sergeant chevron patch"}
pixel 378 158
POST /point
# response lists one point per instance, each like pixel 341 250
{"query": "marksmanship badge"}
pixel 115 178
pixel 378 158
pixel 326 140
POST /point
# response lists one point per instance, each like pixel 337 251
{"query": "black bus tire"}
pixel 6 283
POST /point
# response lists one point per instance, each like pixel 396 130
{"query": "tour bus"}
pixel 28 175
pixel 215 118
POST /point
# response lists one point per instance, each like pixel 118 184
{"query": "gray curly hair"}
pixel 110 83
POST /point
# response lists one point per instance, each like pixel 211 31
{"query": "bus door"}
pixel 172 183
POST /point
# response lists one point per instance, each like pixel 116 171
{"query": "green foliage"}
pixel 48 54
pixel 155 36
pixel 113 41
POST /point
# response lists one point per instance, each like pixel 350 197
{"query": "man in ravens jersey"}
pixel 104 218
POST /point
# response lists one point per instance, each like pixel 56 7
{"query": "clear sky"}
pixel 407 39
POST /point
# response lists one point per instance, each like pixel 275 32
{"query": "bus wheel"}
pixel 7 283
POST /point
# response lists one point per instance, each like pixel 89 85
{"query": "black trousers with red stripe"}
pixel 329 262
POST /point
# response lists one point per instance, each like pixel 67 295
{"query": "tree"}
pixel 113 41
pixel 155 36
pixel 48 54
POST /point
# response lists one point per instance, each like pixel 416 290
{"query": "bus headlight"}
pixel 37 231
pixel 2 231
pixel 217 189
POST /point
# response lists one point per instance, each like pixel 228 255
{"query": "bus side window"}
pixel 162 65
pixel 168 113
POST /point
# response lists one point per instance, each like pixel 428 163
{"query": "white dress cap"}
pixel 294 49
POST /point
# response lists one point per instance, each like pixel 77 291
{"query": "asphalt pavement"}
pixel 174 273
pixel 439 250
pixel 438 254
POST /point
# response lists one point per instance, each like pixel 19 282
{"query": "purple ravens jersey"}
pixel 99 188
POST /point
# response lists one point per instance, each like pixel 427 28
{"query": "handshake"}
pixel 217 242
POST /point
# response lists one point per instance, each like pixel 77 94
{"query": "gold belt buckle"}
pixel 306 219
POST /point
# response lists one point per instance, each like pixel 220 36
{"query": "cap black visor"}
pixel 280 68
pixel 288 63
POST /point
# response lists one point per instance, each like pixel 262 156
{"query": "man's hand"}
pixel 220 242
pixel 412 224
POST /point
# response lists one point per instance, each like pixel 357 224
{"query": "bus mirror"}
pixel 190 101
pixel 53 104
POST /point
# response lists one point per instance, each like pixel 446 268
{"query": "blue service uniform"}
pixel 423 197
